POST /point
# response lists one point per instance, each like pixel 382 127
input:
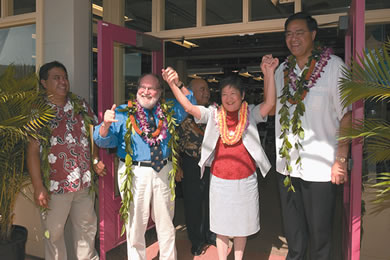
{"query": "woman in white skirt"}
pixel 231 147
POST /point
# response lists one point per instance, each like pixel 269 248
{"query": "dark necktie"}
pixel 155 149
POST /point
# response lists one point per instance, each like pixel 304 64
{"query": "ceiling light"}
pixel 212 80
pixel 259 78
pixel 194 76
pixel 186 44
pixel 244 73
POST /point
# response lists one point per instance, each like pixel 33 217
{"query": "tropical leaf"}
pixel 369 79
pixel 24 113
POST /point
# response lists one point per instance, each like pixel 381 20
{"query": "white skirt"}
pixel 234 206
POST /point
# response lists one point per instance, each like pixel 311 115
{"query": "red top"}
pixel 232 162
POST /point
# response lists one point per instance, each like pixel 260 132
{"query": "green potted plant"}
pixel 23 115
pixel 368 78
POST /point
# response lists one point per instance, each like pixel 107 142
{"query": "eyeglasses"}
pixel 296 34
pixel 143 88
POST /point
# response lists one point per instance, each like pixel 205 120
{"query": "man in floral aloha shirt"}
pixel 61 170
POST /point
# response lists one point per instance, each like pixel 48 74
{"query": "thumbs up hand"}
pixel 109 116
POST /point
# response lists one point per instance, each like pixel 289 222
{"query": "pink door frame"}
pixel 354 45
pixel 109 204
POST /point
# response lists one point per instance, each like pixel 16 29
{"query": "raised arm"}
pixel 172 78
pixel 268 66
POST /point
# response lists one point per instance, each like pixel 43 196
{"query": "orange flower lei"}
pixel 135 125
pixel 240 128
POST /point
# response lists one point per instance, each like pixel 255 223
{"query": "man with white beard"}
pixel 142 131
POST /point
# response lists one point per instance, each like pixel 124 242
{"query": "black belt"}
pixel 144 164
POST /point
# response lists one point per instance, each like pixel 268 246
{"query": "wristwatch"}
pixel 95 161
pixel 341 159
pixel 180 84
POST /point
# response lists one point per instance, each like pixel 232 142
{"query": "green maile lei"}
pixel 301 86
pixel 126 187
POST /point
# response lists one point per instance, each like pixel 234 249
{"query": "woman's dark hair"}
pixel 234 82
pixel 44 70
pixel 310 21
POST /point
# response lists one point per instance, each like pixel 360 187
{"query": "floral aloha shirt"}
pixel 69 155
pixel 191 137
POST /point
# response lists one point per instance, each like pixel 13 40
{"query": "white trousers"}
pixel 79 207
pixel 151 197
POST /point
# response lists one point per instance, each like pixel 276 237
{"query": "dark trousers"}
pixel 196 200
pixel 307 218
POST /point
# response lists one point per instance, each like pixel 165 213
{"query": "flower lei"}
pixel 166 123
pixel 150 138
pixel 78 108
pixel 301 86
pixel 242 125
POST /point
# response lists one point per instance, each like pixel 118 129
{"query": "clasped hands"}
pixel 269 64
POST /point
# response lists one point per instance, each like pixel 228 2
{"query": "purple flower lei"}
pixel 140 115
pixel 321 55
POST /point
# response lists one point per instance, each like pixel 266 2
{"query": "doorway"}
pixel 123 56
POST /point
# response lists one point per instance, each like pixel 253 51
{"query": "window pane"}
pixel 376 34
pixel 315 7
pixel 17 45
pixel 264 9
pixel 377 4
pixel 139 15
pixel 223 11
pixel 180 14
pixel 24 6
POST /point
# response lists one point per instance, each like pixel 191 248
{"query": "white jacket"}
pixel 250 138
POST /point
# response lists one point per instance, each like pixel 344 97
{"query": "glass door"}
pixel 123 56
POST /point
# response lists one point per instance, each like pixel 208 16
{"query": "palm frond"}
pixel 383 193
pixel 24 112
pixel 368 78
pixel 376 135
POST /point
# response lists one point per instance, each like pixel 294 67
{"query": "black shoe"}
pixel 197 250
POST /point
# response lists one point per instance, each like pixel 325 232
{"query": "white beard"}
pixel 146 102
